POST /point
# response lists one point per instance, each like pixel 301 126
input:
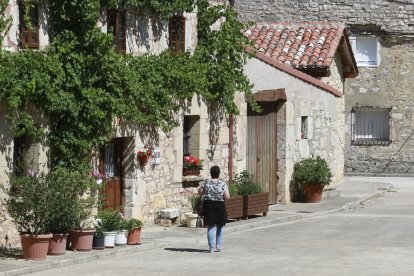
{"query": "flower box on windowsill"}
pixel 191 172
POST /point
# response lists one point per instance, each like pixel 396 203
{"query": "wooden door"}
pixel 111 168
pixel 262 147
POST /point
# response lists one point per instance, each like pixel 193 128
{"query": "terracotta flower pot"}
pixel 313 192
pixel 57 245
pixel 82 240
pixel 191 172
pixel 134 236
pixel 35 247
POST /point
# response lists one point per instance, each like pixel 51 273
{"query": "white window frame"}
pixel 376 47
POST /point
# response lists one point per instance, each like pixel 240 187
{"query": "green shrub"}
pixel 245 184
pixel 233 190
pixel 312 171
pixel 134 223
pixel 110 220
pixel 27 203
pixel 195 202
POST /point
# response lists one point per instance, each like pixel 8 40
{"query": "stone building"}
pixel 140 191
pixel 302 115
pixel 379 107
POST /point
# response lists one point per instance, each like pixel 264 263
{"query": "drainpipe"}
pixel 231 132
pixel 231 3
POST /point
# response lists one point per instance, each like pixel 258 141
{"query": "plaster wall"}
pixel 325 123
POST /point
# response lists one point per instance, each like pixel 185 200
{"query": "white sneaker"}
pixel 211 250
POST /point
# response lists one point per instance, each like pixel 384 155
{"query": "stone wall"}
pixel 391 15
pixel 388 85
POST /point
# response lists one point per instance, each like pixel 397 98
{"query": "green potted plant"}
pixel 234 205
pixel 254 200
pixel 64 190
pixel 87 199
pixel 192 165
pixel 134 227
pixel 110 223
pixel 26 201
pixel 313 174
pixel 98 242
pixel 122 233
pixel 192 217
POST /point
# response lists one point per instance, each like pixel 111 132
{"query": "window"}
pixel 191 137
pixel 29 33
pixel 21 147
pixel 177 34
pixel 117 26
pixel 304 127
pixel 366 51
pixel 370 125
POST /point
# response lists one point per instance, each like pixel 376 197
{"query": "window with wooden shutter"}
pixel 117 26
pixel 370 125
pixel 177 34
pixel 29 31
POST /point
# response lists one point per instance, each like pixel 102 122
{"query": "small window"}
pixel 29 31
pixel 304 127
pixel 366 51
pixel 370 125
pixel 117 26
pixel 191 138
pixel 21 147
pixel 177 34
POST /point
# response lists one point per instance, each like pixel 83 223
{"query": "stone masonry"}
pixel 388 85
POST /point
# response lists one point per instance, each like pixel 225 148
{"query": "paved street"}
pixel 376 239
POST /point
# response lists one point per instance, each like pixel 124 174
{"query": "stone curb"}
pixel 153 245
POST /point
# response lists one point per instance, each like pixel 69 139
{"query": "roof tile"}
pixel 300 44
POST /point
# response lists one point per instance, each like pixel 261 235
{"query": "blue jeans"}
pixel 215 236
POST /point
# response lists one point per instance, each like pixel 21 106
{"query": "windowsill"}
pixel 366 65
pixel 192 178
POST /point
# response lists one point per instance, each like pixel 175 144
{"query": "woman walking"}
pixel 215 191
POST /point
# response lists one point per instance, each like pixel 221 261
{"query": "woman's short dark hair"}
pixel 215 172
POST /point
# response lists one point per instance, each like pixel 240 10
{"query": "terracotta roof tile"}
pixel 299 45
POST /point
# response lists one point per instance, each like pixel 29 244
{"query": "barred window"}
pixel 370 125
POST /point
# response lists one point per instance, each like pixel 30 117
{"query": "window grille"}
pixel 370 125
pixel 177 34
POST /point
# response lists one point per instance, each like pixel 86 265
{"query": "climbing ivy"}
pixel 81 84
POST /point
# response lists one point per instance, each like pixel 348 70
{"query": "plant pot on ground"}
pixel 192 218
pixel 313 174
pixel 254 200
pixel 121 234
pixel 65 187
pixel 134 227
pixel 27 204
pixel 234 205
pixel 110 223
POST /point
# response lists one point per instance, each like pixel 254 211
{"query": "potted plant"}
pixel 98 242
pixel 110 221
pixel 82 235
pixel 192 217
pixel 234 205
pixel 192 165
pixel 27 204
pixel 122 233
pixel 143 156
pixel 313 174
pixel 64 189
pixel 134 227
pixel 254 200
